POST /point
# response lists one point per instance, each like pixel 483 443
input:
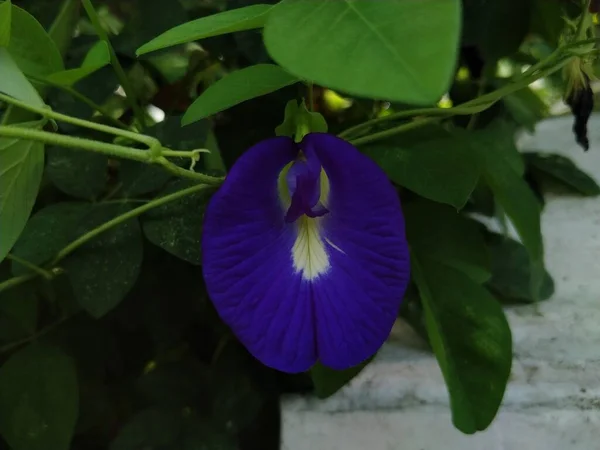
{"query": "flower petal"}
pixel 357 301
pixel 247 261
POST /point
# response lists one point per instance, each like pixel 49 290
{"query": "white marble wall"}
pixel 553 399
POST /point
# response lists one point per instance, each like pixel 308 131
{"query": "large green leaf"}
pixel 116 254
pixel 237 87
pixel 21 168
pixel 440 233
pixel 14 83
pixel 250 17
pixel 47 231
pixel 401 50
pixel 79 174
pixel 503 168
pixel 33 50
pixel 439 167
pixel 471 340
pixel 97 57
pixel 563 170
pixel 39 399
pixel 511 272
pixel 5 19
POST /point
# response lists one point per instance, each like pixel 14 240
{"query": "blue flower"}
pixel 304 253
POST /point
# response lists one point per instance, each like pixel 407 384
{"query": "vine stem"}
pixel 114 60
pixel 153 155
pixel 66 251
pixel 473 106
pixel 43 272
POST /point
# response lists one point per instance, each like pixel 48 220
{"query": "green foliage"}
pixel 327 381
pixel 107 333
pixel 511 272
pixel 432 163
pixel 383 66
pixel 21 167
pixel 247 18
pixel 97 57
pixel 38 399
pixel 475 362
pixel 5 18
pixel 116 254
pixel 459 243
pixel 176 227
pixel 33 50
pixel 238 87
pixel 562 170
pixel 78 174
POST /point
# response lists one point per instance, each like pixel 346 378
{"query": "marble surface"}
pixel 552 401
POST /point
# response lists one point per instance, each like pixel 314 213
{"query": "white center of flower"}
pixel 308 253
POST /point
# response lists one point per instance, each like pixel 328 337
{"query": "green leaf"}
pixel 97 57
pixel 503 169
pixel 526 108
pixel 362 47
pixel 64 24
pixel 177 226
pixel 497 28
pixel 116 254
pixel 328 381
pixel 32 49
pixel 48 231
pixel 471 340
pixel 14 83
pixel 21 168
pixel 442 234
pixel 250 17
pixel 39 399
pixel 563 170
pixel 440 167
pixel 5 15
pixel 297 116
pixel 511 272
pixel 151 428
pixel 237 87
pixel 79 174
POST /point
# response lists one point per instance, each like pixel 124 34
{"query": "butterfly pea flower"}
pixel 304 253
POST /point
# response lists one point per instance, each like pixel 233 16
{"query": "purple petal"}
pixel 326 288
pixel 356 303
pixel 246 261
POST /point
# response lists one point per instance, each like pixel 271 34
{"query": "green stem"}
pixel 48 113
pixel 82 98
pixel 44 273
pixel 125 83
pixel 124 217
pixel 473 106
pixel 76 143
pixel 393 131
pixel 16 281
